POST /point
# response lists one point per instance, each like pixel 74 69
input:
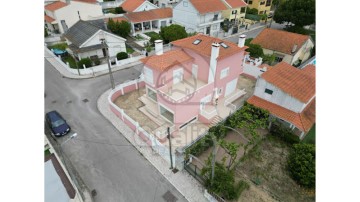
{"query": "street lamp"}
pixel 105 46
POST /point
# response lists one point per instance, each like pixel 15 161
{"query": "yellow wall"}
pixel 256 4
pixel 228 14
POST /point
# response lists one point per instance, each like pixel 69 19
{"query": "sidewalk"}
pixel 63 71
pixel 187 185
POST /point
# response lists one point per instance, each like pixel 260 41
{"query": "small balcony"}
pixel 213 20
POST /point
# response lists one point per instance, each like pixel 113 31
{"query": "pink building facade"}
pixel 194 80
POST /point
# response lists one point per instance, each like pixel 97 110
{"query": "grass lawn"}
pixel 61 46
pixel 71 61
pixel 310 137
pixel 150 34
pixel 129 50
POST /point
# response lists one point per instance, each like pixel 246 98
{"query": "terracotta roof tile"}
pixel 236 3
pixel 55 6
pixel 304 120
pixel 207 6
pixel 131 5
pixel 167 60
pixel 298 83
pixel 204 47
pixel 117 19
pixel 280 40
pixel 153 14
pixel 49 19
pixel 87 1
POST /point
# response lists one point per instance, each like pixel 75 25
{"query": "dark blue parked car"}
pixel 57 123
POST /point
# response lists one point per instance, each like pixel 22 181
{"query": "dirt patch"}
pixel 131 104
pixel 265 167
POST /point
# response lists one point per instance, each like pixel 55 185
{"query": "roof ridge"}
pixel 279 30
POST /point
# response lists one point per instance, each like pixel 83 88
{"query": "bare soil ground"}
pixel 265 165
pixel 131 104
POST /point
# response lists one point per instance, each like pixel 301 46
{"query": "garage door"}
pixel 230 87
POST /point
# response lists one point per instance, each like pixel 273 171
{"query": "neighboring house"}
pixel 199 16
pixel 137 5
pixel 60 16
pixel 165 3
pixel 288 94
pixel 147 21
pixel 289 47
pixel 84 40
pixel 263 6
pixel 58 185
pixel 195 81
pixel 236 10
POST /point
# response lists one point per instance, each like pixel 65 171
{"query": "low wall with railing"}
pixel 148 138
pixel 94 69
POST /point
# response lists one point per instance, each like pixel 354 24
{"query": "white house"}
pixel 85 40
pixel 60 15
pixel 288 94
pixel 199 16
pixel 137 5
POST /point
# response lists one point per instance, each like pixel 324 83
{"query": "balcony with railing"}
pixel 213 20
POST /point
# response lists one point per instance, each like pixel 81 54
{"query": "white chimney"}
pixel 158 47
pixel 215 48
pixel 241 42
pixel 294 48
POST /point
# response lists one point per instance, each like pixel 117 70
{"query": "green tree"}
pixel 231 148
pixel 111 25
pixel 255 50
pixel 172 33
pixel 268 58
pixel 301 164
pixel 119 10
pixel 249 118
pixel 252 11
pixel 46 32
pixel 298 12
pixel 123 28
pixel 122 55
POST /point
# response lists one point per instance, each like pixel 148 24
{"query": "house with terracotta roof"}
pixel 137 5
pixel 201 16
pixel 288 94
pixel 148 21
pixel 263 6
pixel 194 82
pixel 61 15
pixel 236 10
pixel 289 47
pixel 84 40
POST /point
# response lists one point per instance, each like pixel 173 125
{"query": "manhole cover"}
pixel 53 102
pixel 169 197
pixel 68 102
pixel 85 100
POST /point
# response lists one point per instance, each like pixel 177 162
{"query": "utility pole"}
pixel 169 137
pixel 105 46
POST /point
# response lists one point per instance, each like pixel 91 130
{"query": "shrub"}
pixel 283 133
pixel 85 61
pixel 200 146
pixel 301 164
pixel 119 10
pixel 252 11
pixel 255 50
pixel 96 60
pixel 122 55
pixel 46 33
pixel 247 41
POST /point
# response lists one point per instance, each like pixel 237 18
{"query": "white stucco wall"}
pixel 70 13
pixel 253 70
pixel 116 44
pixel 186 16
pixel 304 52
pixel 278 97
pixel 145 7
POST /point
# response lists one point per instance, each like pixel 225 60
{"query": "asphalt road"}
pixel 255 32
pixel 105 160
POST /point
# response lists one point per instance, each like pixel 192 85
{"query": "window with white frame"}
pixel 148 74
pixel 224 73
